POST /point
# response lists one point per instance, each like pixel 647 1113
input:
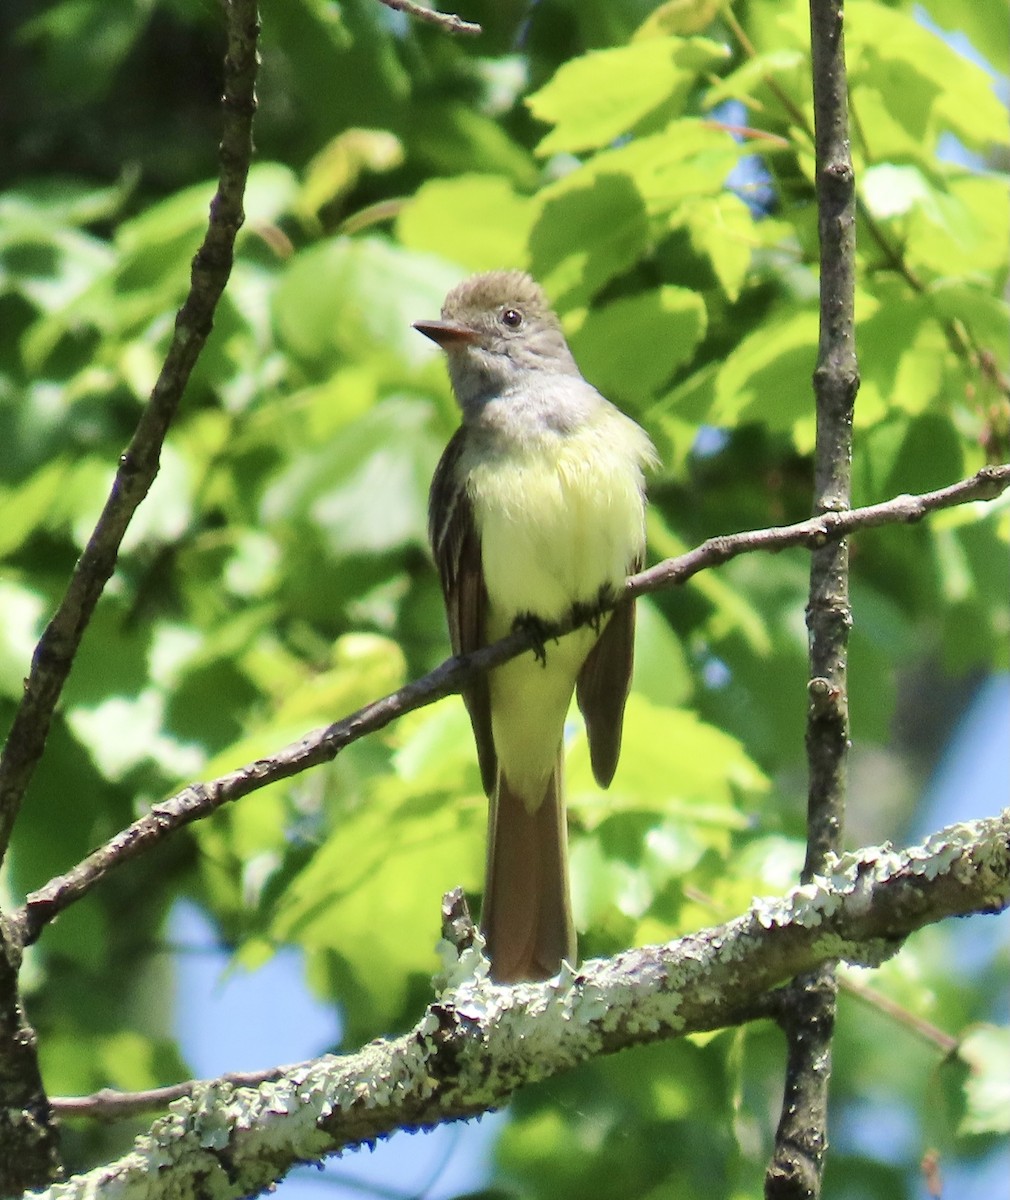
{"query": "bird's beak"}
pixel 447 333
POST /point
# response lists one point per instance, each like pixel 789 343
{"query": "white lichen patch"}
pixel 456 969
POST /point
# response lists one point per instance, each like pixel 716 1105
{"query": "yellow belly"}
pixel 558 521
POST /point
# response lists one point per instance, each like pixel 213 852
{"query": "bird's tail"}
pixel 526 918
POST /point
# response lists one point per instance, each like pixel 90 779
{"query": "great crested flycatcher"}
pixel 537 507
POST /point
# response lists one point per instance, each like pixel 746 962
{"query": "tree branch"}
pixel 111 1105
pixel 807 1015
pixel 479 1042
pixel 321 745
pixel 926 1030
pixel 447 22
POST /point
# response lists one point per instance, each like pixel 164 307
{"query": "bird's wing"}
pixel 603 685
pixel 456 546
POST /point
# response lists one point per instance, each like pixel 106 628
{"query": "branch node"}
pixel 458 928
pixel 823 694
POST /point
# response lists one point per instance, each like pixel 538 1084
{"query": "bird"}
pixel 536 512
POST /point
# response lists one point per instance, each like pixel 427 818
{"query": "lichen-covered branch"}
pixel 479 1041
pixel 321 745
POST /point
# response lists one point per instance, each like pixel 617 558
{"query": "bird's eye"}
pixel 511 317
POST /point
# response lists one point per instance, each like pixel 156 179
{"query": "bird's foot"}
pixel 595 613
pixel 538 631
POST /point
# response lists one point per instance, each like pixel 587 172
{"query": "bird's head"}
pixel 495 328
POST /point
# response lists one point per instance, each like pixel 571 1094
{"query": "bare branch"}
pixel 138 465
pixel 110 1105
pixel 808 1012
pixel 986 484
pixel 447 22
pixel 321 745
pixel 479 1042
pixel 900 1015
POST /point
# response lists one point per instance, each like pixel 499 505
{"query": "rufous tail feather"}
pixel 526 917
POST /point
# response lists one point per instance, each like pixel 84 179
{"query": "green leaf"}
pixel 893 189
pixel 908 85
pixel 21 611
pixel 26 509
pixel 977 20
pixel 944 221
pixel 767 377
pixel 454 137
pixel 48 203
pixel 671 762
pixel 271 188
pixel 680 17
pixel 634 1117
pixel 372 893
pixel 689 158
pixel 351 298
pixel 477 221
pixel 151 271
pixel 972 558
pixel 594 98
pixel 657 332
pixel 662 673
pixel 931 456
pixel 167 509
pixel 434 749
pixel 789 68
pixel 123 733
pixel 595 221
pixel 964 227
pixel 734 613
pixel 338 166
pixel 586 235
pixel 722 229
pixel 249 847
pixel 986 1050
pixel 984 315
pixel 904 355
pixel 366 491
pixel 50 267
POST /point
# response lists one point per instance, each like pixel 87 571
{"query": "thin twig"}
pixel 321 745
pixel 898 1013
pixel 447 22
pixel 111 1105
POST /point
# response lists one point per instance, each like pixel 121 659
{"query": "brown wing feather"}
pixel 456 546
pixel 602 689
